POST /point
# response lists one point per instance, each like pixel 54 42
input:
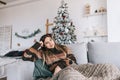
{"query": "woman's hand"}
pixel 26 55
pixel 41 43
pixel 57 69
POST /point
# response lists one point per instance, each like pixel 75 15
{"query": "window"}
pixel 5 38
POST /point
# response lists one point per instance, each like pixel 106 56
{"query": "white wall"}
pixel 113 18
pixel 31 16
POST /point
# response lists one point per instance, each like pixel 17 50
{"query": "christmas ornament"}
pixel 66 30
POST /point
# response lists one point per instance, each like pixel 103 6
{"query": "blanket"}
pixel 88 72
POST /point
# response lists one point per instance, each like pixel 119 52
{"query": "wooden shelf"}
pixel 95 14
pixel 95 36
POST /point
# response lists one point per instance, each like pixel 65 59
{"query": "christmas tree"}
pixel 63 31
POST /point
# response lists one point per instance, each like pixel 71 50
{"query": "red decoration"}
pixel 35 40
pixel 71 23
pixel 61 33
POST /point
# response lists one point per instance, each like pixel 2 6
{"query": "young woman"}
pixel 50 58
pixel 55 56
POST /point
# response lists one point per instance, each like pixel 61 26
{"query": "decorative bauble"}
pixel 63 17
pixel 66 30
pixel 61 33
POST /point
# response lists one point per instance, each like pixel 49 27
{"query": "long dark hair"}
pixel 57 46
pixel 44 36
pixel 46 51
pixel 43 39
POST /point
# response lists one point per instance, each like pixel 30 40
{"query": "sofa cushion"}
pixel 80 52
pixel 103 52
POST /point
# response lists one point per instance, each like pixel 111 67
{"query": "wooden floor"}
pixel 5 78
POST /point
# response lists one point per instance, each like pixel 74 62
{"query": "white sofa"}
pixel 20 70
pixel 94 52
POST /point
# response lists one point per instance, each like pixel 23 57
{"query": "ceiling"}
pixel 7 1
pixel 10 3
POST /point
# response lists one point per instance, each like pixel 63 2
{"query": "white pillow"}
pixel 104 52
pixel 80 52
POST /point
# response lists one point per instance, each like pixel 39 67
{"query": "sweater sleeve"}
pixel 32 53
pixel 28 56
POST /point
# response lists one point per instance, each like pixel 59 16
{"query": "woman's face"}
pixel 49 43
